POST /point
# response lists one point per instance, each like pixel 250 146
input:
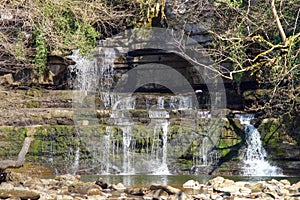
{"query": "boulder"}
pixel 96 197
pixel 6 186
pixel 82 188
pixel 285 182
pixel 18 193
pixel 245 191
pixel 296 185
pixel 284 192
pixel 181 196
pixel 102 183
pixel 167 188
pixel 119 187
pixel 93 192
pixel 33 182
pixel 67 177
pixel 218 180
pixel 64 197
pixel 226 186
pixel 257 187
pixel 203 196
pixel 16 178
pixel 160 194
pixel 136 191
pixel 192 184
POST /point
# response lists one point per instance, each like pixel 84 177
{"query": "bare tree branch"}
pixel 278 23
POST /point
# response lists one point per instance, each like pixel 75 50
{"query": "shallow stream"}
pixel 174 180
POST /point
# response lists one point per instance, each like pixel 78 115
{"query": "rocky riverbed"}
pixel 19 186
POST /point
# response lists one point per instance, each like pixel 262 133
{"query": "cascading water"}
pixel 159 119
pixel 204 150
pixel 106 150
pixel 254 160
pixel 185 102
pixel 122 117
pixel 116 151
pixel 89 79
pixel 76 158
pixel 127 166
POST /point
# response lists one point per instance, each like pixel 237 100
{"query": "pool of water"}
pixel 173 180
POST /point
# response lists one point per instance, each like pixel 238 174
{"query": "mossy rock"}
pixel 12 139
pixel 270 131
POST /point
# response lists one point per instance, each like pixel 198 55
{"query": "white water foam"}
pixel 254 160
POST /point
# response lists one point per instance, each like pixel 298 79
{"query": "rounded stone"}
pixel 93 191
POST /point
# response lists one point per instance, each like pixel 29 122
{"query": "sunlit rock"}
pixel 192 184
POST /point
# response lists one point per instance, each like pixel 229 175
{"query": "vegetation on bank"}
pixel 39 28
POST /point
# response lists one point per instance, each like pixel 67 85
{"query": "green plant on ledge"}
pixel 41 52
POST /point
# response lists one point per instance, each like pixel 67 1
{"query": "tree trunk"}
pixel 21 157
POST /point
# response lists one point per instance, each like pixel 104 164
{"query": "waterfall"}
pixel 106 151
pixel 106 71
pixel 204 150
pixel 127 166
pixel 172 103
pixel 204 114
pixel 76 158
pixel 160 102
pixel 185 102
pixel 93 73
pixel 159 119
pixel 122 117
pixel 120 149
pixel 203 157
pixel 254 160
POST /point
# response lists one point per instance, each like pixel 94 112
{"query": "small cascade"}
pixel 204 151
pixel 160 102
pixel 127 166
pixel 185 102
pixel 204 114
pixel 109 99
pixel 106 71
pixel 254 160
pixel 181 102
pixel 203 157
pixel 122 117
pixel 76 158
pixel 159 119
pixel 172 103
pixel 106 151
pixel 86 72
pixel 120 114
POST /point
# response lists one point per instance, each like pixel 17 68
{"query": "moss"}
pixel 32 104
pixel 13 139
pixel 185 164
pixel 270 132
pixel 225 145
pixel 57 139
pixel 35 147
